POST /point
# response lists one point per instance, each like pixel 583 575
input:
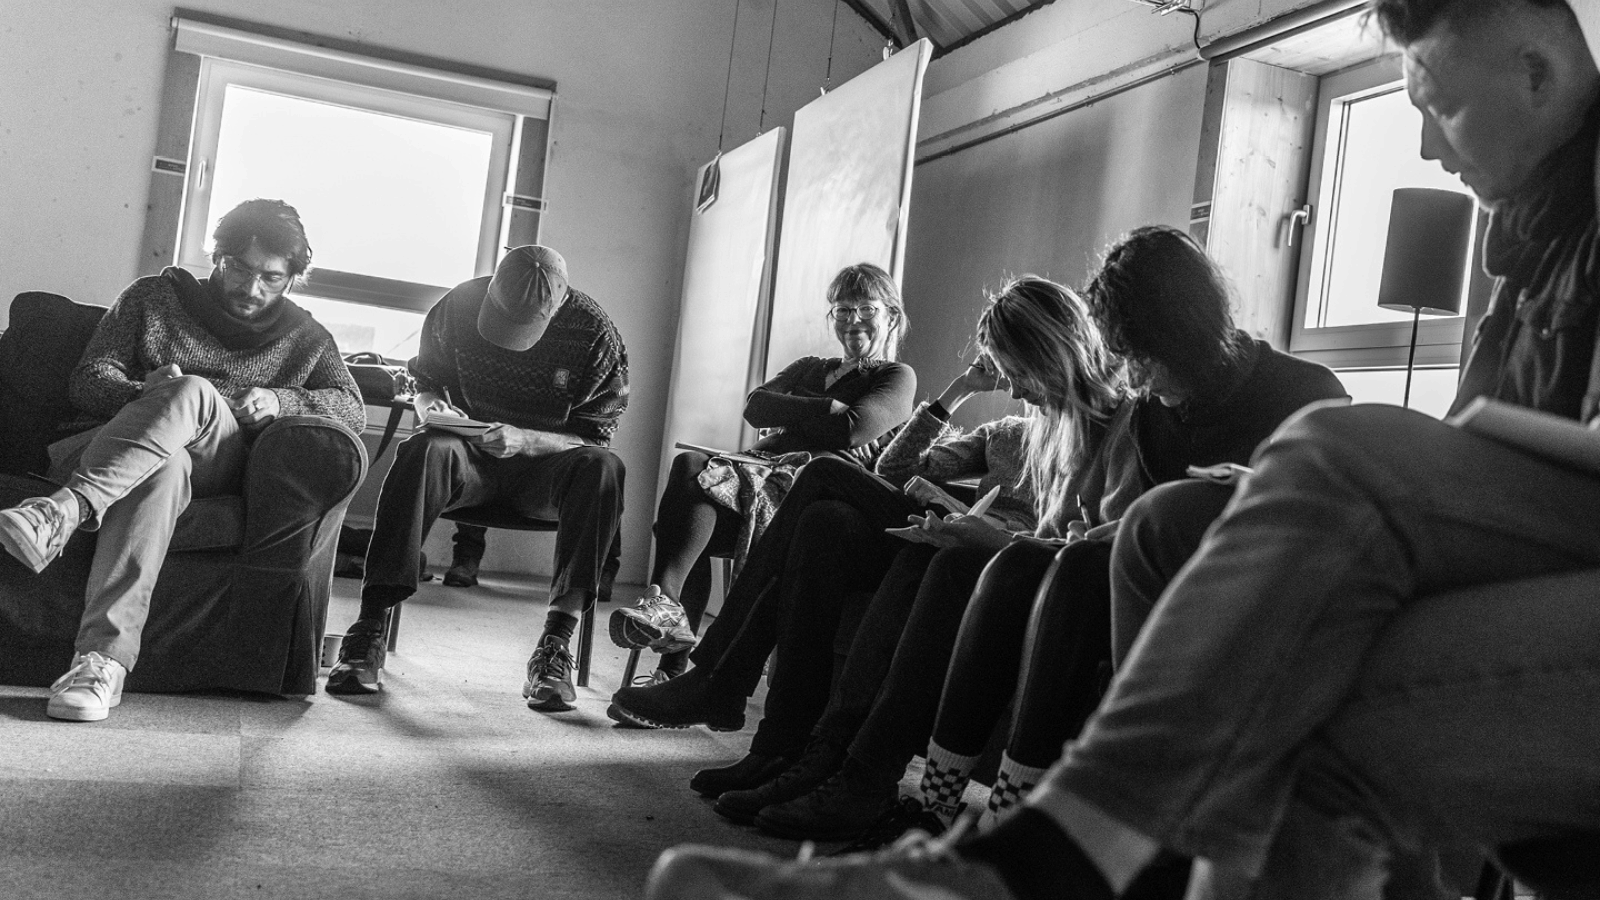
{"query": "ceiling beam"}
pixel 878 24
pixel 906 26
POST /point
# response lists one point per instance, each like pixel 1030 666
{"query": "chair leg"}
pixel 585 643
pixel 1493 884
pixel 392 626
pixel 631 668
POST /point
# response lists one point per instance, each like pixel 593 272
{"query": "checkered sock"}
pixel 944 780
pixel 1011 787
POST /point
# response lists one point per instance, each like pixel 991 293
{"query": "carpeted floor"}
pixel 444 785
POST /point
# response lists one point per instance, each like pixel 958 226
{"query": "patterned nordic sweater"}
pixel 148 328
pixel 573 381
pixel 938 451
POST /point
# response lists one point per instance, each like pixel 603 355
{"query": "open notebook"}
pixel 729 455
pixel 443 421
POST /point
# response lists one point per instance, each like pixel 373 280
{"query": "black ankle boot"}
pixel 753 771
pixel 820 760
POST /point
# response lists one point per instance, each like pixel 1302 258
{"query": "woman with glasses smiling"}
pixel 177 378
pixel 844 407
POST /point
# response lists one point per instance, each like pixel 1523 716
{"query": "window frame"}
pixel 1373 345
pixel 200 37
pixel 217 75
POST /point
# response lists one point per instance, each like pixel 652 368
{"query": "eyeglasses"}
pixel 240 275
pixel 862 313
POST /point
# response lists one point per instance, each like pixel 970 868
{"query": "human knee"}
pixel 834 518
pixel 190 391
pixel 599 469
pixel 1332 432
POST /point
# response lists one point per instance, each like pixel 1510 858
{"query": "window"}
pixel 409 180
pixel 1368 143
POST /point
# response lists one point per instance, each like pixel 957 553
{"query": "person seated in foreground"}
pixel 176 379
pixel 543 363
pixel 844 407
pixel 1252 728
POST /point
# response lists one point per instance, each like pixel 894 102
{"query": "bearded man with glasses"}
pixel 178 377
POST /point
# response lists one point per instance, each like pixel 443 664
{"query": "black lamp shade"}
pixel 1425 261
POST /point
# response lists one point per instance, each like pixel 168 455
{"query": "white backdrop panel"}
pixel 848 194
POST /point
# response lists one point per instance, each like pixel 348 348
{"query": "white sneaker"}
pixel 657 622
pixel 34 531
pixel 89 689
pixel 916 868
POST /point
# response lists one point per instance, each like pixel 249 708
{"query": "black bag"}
pixel 379 380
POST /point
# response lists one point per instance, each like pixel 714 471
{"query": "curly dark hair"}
pixel 1158 298
pixel 1407 21
pixel 272 225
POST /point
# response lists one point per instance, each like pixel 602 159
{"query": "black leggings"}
pixel 1050 648
pixel 690 529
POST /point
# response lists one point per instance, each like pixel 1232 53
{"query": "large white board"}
pixel 847 198
pixel 725 289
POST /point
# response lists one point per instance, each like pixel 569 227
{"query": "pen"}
pixel 982 506
pixel 1083 510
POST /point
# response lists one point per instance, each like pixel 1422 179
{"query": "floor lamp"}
pixel 1425 259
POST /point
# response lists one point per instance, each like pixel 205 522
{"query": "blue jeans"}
pixel 1303 692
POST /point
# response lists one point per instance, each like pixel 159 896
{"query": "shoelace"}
pixel 45 517
pixel 654 678
pixel 550 660
pixel 89 671
pixel 357 645
pixel 660 608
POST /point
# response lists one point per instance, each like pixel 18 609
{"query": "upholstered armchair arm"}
pixel 300 469
pixel 298 481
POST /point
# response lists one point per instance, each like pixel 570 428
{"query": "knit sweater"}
pixel 148 328
pixel 796 406
pixel 573 381
pixel 936 450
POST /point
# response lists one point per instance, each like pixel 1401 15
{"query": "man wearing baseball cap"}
pixel 542 363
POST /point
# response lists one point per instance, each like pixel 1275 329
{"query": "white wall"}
pixel 640 90
pixel 1044 186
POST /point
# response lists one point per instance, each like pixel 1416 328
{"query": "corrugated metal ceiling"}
pixel 949 23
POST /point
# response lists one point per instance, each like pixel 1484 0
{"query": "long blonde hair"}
pixel 1036 330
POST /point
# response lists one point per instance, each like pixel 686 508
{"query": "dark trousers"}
pixel 885 698
pixel 435 472
pixel 736 645
pixel 836 560
pixel 470 541
pixel 1158 534
pixel 1045 648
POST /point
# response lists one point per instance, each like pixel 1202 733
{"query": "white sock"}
pixel 1014 783
pixel 944 780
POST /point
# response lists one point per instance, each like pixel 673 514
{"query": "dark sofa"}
pixel 241 602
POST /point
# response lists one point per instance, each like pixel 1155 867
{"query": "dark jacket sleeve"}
pixel 776 404
pixel 886 403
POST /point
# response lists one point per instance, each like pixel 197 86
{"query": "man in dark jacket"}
pixel 1253 727
pixel 542 371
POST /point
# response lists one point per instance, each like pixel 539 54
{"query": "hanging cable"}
pixel 733 42
pixel 833 30
pixel 1196 37
pixel 761 125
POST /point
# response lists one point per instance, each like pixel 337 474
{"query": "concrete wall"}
pixel 640 98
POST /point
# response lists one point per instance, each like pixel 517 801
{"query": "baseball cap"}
pixel 528 287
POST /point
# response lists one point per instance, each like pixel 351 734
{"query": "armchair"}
pixel 241 602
